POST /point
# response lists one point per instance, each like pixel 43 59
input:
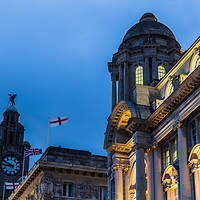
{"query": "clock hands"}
pixel 9 164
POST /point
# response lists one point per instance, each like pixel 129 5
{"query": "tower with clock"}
pixel 12 145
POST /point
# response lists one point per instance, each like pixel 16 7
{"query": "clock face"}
pixel 10 165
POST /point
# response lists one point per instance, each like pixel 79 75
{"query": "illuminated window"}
pixel 166 156
pixel 161 71
pixel 193 133
pixel 174 150
pixel 171 88
pixel 175 193
pixel 139 75
pixel 197 63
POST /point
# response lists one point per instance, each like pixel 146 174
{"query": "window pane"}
pixel 174 150
pixel 64 189
pixel 176 193
pixel 161 71
pixel 139 75
pixel 167 156
pixel 70 190
pixel 193 133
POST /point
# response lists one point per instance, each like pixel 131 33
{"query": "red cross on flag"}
pixel 58 121
pixel 32 152
pixel 11 186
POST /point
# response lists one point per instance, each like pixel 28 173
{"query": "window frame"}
pixel 139 75
pixel 161 73
pixel 169 143
pixel 66 193
pixel 103 190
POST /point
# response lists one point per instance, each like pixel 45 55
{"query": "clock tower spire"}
pixel 12 147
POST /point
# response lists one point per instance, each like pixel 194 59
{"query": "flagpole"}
pixel 48 133
pixel 3 190
pixel 23 165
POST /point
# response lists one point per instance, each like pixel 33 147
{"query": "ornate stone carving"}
pixel 45 187
pixel 87 191
pixel 177 124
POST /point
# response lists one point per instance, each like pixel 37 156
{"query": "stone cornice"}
pixel 125 148
pixel 175 98
pixel 137 125
pixel 180 62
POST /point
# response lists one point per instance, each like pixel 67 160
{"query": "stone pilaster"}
pixel 194 165
pixel 118 182
pixel 157 174
pixel 127 175
pixel 113 77
pixel 140 174
pixel 154 69
pixel 150 181
pixel 185 182
pixel 146 72
pixel 121 83
pixel 126 81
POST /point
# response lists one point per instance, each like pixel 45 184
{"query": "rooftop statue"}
pixel 12 98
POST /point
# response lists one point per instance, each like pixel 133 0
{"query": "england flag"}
pixel 58 121
pixel 11 186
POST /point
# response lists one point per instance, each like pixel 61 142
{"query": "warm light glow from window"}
pixel 161 71
pixel 174 150
pixel 175 193
pixel 167 156
pixel 139 75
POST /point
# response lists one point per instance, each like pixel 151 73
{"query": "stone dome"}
pixel 12 108
pixel 148 25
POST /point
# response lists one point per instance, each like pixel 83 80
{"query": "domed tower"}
pixel 148 51
pixel 12 147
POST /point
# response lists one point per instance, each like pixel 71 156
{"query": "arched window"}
pixel 139 75
pixel 197 63
pixel 161 71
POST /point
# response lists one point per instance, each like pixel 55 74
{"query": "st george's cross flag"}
pixel 58 121
pixel 32 152
pixel 10 186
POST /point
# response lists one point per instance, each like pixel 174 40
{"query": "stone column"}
pixel 127 175
pixel 121 83
pixel 118 183
pixel 146 72
pixel 154 69
pixel 196 183
pixel 150 180
pixel 126 82
pixel 158 192
pixel 196 178
pixel 140 175
pixel 113 77
pixel 185 182
pixel 132 81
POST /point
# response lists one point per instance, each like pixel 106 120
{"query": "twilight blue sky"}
pixel 54 54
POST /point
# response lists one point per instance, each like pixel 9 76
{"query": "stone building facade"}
pixel 153 133
pixel 63 173
pixel 12 147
